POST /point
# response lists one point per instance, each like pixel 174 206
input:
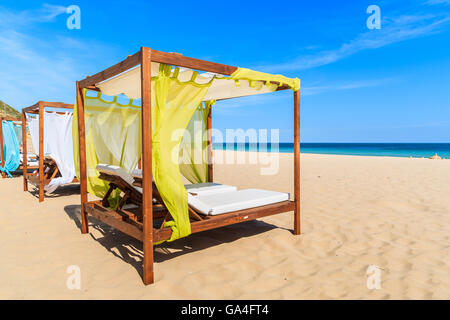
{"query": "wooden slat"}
pixel 179 60
pixel 28 168
pixel 47 104
pixel 60 105
pixel 31 108
pixel 110 72
pixel 137 181
pixel 134 228
pixel 46 111
pixel 55 172
pixel 114 220
pixel 9 118
pixel 229 218
pixel 194 214
pixel 93 88
pixel 157 56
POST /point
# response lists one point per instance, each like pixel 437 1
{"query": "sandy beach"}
pixel 393 213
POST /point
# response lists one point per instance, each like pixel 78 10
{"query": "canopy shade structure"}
pixel 58 168
pixel 171 86
pixel 222 87
pixel 125 77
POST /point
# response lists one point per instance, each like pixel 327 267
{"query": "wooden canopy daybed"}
pixel 47 169
pixel 9 118
pixel 140 221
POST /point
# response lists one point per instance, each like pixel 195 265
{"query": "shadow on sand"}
pixel 129 249
pixel 66 190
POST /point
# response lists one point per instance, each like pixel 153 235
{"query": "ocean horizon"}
pixel 416 150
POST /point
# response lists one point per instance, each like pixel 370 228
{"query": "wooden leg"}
pixel 210 147
pixel 82 151
pixel 297 162
pixel 24 152
pixel 147 185
pixel 148 275
pixel 105 201
pixel 41 152
pixel 41 192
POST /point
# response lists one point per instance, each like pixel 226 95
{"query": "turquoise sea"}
pixel 357 149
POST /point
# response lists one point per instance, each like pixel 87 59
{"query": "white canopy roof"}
pixel 129 83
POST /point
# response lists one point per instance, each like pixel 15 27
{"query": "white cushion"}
pixel 197 188
pixel 207 188
pixel 219 203
pixel 137 173
pixel 31 159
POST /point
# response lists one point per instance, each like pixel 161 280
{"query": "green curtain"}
pixel 194 146
pixel 113 136
pixel 255 78
pixel 173 105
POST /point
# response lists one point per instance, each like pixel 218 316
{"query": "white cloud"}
pixel 282 97
pixel 31 72
pixel 393 30
pixel 32 68
pixel 46 13
pixel 314 90
pixel 229 106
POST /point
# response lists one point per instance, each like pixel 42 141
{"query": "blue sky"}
pixel 358 85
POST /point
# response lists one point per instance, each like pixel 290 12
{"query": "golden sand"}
pixel 393 213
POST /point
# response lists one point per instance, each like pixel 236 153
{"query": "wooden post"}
pixel 1 146
pixel 82 152
pixel 41 151
pixel 24 152
pixel 297 162
pixel 210 147
pixel 147 192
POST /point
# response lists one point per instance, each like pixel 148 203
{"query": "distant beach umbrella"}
pixel 435 157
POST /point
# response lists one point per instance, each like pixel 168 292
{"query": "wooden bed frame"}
pixel 47 166
pixel 143 228
pixel 8 118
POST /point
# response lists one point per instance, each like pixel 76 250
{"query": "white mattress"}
pixel 31 163
pixel 219 203
pixel 211 198
pixel 208 188
pixel 31 160
pixel 137 173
